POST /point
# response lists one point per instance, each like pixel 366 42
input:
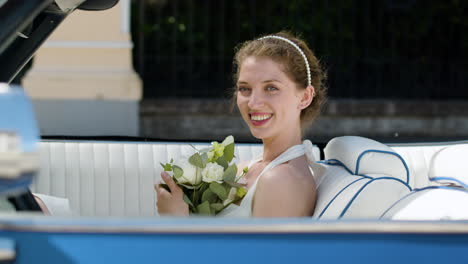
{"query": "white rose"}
pixel 191 173
pixel 212 172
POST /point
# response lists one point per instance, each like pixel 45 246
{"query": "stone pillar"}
pixel 82 80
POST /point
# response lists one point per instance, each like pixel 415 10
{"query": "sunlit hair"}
pixel 293 64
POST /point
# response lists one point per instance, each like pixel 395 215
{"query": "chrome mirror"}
pixel 19 135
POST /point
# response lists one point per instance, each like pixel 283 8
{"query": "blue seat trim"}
pixel 335 162
pixel 338 194
pixel 364 186
pixel 439 187
pixel 389 177
pixel 384 152
pixel 419 190
pixel 450 179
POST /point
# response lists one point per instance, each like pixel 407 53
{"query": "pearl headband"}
pixel 298 49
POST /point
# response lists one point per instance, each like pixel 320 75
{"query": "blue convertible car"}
pixel 377 203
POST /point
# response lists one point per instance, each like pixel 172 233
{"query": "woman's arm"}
pixel 42 205
pixel 284 192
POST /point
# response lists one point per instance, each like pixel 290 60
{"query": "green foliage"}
pixel 241 192
pixel 167 166
pixel 219 190
pixel 197 160
pixel 230 173
pixel 373 46
pixel 229 152
pixel 187 200
pixel 204 208
pixel 209 196
pixel 217 206
pixel 222 162
pixel 178 171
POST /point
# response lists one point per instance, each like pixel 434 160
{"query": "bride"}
pixel 279 91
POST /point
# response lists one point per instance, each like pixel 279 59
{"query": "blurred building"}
pixel 82 80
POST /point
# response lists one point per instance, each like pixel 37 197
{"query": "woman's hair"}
pixel 284 53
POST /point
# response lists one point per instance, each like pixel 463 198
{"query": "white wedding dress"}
pixel 245 207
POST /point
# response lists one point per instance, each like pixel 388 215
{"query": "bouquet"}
pixel 208 178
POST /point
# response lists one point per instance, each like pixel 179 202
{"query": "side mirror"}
pixel 19 135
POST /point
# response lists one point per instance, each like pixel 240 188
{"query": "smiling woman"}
pixel 279 89
pixel 296 62
pixel 362 180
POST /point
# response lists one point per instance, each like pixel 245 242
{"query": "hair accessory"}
pixel 298 49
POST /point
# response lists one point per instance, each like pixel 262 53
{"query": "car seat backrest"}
pixel 431 203
pixel 450 166
pixel 113 178
pixel 361 179
pixel 363 156
pixel 418 158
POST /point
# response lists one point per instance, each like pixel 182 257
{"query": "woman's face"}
pixel 268 99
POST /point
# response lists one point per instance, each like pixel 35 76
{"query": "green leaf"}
pixel 203 187
pixel 222 161
pixel 219 190
pixel 166 167
pixel 241 192
pixel 189 187
pixel 187 200
pixel 204 150
pixel 197 161
pixel 209 196
pixel 230 173
pixel 204 157
pixel 204 208
pixel 178 171
pixel 229 152
pixel 217 206
pixel 194 147
pixel 234 184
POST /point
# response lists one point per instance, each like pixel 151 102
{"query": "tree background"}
pixel 396 49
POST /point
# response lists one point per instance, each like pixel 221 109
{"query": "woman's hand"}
pixel 42 205
pixel 170 203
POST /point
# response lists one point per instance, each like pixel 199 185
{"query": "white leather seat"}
pixel 362 179
pixel 113 178
pixel 116 178
pixel 448 199
pixel 418 159
pixel 110 178
pixel 431 203
pixel 450 166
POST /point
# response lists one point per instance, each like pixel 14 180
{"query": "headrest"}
pixel 450 165
pixel 363 156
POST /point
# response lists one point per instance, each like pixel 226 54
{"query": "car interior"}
pixel 97 178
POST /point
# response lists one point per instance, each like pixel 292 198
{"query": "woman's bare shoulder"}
pixel 288 178
pixel 280 189
pixel 291 172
